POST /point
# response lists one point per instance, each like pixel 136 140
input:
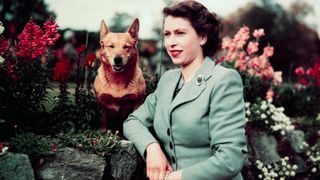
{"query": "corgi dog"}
pixel 119 85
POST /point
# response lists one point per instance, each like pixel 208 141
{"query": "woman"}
pixel 197 111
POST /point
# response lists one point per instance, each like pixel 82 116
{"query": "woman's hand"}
pixel 157 163
pixel 176 175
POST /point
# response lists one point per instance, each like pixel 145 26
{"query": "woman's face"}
pixel 181 41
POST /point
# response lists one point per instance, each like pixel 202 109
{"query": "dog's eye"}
pixel 110 46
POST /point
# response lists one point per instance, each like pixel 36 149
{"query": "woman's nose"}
pixel 171 41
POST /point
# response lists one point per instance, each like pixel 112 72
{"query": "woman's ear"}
pixel 204 39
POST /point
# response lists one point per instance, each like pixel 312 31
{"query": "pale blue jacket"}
pixel 202 129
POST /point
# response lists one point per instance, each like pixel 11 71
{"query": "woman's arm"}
pixel 227 133
pixel 135 128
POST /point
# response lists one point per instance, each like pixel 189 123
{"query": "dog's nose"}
pixel 118 60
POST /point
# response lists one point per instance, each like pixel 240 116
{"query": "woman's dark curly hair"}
pixel 203 21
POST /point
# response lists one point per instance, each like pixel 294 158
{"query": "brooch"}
pixel 199 80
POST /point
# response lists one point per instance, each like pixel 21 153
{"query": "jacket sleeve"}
pixel 135 127
pixel 227 133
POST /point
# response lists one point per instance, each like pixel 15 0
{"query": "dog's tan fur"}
pixel 119 85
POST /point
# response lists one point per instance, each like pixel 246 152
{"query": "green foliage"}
pixel 91 141
pixel 254 87
pixel 31 144
pixel 21 98
pixel 75 114
pixel 298 101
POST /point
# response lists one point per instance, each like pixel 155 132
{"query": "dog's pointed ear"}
pixel 134 29
pixel 103 29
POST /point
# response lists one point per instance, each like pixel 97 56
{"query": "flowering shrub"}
pixel 257 73
pixel 99 142
pixel 266 116
pixel 24 78
pixel 79 111
pixel 280 170
pixel 3 149
pixel 310 76
pixel 313 162
pixel 302 98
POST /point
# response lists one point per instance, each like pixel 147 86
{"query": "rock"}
pixel 296 139
pixel 263 147
pixel 126 163
pixel 72 164
pixel 15 167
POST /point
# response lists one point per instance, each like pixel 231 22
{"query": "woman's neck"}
pixel 190 69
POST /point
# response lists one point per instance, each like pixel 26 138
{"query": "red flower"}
pixel 10 69
pixel 33 41
pixel 299 71
pixel 90 59
pixel 51 34
pixel 303 81
pixel 62 70
pixel 4 44
pixel 81 49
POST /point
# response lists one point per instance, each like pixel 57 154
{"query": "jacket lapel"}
pixel 195 87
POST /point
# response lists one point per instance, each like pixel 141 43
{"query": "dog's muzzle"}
pixel 118 64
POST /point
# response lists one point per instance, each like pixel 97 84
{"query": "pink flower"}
pixel 270 94
pixel 258 33
pixel 300 71
pixel 241 64
pixel 267 51
pixel 241 37
pixel 226 43
pixel 252 47
pixel 277 78
pixel 297 86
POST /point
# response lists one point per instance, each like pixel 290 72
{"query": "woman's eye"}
pixel 110 46
pixel 180 33
pixel 166 34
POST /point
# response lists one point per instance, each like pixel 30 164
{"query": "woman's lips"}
pixel 175 53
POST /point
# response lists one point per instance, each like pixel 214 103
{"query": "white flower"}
pixel 263 116
pixel 287 173
pixel 260 176
pixel 247 104
pixel 264 170
pixel 1 28
pixel 248 112
pixel 263 106
pixel 4 150
pixel 314 170
pixel 292 173
pixel 1 60
pixel 295 167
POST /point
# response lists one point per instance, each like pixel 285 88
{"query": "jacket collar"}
pixel 192 89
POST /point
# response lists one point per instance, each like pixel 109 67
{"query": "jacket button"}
pixel 173 159
pixel 168 131
pixel 171 145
